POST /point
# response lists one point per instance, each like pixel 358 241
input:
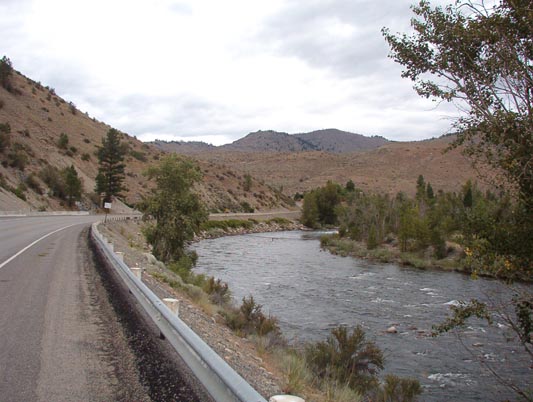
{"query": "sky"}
pixel 214 71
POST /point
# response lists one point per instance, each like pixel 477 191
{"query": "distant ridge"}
pixel 328 140
pixel 183 147
pixel 337 141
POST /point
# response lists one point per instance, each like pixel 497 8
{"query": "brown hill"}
pixel 391 168
pixel 37 117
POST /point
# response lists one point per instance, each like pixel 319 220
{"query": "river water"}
pixel 312 291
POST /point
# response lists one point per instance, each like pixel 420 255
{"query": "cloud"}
pixel 211 69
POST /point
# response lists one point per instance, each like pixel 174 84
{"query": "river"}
pixel 312 291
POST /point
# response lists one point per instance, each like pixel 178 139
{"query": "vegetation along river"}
pixel 311 291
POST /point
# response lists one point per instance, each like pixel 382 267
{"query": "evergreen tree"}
pixel 350 186
pixel 429 192
pixel 111 169
pixel 6 70
pixel 72 185
pixel 420 188
pixel 468 198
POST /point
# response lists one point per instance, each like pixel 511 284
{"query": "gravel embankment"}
pixel 240 353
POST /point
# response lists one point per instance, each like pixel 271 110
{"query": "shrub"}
pixel 249 319
pixel 86 140
pixel 85 157
pixel 52 177
pixel 396 389
pixel 33 183
pixel 17 157
pixel 1 103
pixel 347 358
pixel 246 207
pixel 62 142
pixel 73 149
pixel 19 191
pixel 218 291
pixel 140 156
pixel 5 137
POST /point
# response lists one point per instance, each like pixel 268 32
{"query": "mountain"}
pixel 337 141
pixel 32 120
pixel 330 140
pixel 271 141
pixel 183 147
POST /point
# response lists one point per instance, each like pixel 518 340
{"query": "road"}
pixel 59 340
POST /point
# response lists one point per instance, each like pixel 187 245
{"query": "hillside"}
pixel 391 168
pixel 36 117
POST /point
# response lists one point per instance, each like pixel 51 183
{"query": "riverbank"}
pixel 270 368
pixel 391 254
pixel 213 229
pixel 240 353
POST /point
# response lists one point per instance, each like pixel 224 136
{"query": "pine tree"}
pixel 111 169
pixel 73 185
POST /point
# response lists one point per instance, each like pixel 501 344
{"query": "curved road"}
pixel 58 341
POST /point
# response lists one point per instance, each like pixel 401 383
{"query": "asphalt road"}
pixel 59 340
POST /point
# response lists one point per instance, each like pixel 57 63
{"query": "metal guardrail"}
pixel 37 213
pixel 220 380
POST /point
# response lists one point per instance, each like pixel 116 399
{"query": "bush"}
pixel 347 358
pixel 85 157
pixel 5 137
pixel 53 179
pixel 218 291
pixel 396 389
pixel 246 207
pixel 17 157
pixel 62 142
pixel 140 156
pixel 33 183
pixel 250 320
pixel 19 191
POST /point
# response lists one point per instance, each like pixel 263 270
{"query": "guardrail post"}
pixel 173 305
pixel 120 255
pixel 285 398
pixel 138 272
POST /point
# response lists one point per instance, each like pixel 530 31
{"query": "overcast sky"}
pixel 216 70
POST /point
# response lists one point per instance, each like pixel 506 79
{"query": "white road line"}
pixel 35 242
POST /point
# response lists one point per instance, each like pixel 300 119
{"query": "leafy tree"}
pixel 480 58
pixel 6 70
pixel 320 206
pixel 111 169
pixel 310 210
pixel 177 210
pixel 72 185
